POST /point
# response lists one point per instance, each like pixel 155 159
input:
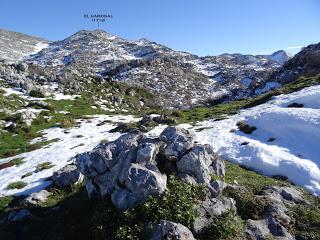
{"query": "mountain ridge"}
pixel 178 79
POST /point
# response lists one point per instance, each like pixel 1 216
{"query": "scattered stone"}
pixel 216 188
pixel 36 198
pixel 67 176
pixel 266 229
pixel 171 231
pixel 27 116
pixel 295 105
pixel 211 208
pixel 245 127
pixel 286 194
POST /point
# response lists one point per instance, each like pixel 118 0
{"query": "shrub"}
pixel 307 222
pixel 178 204
pixel 43 166
pixel 249 206
pixel 36 94
pixel 17 161
pixel 227 226
pixel 4 202
pixel 67 123
pixel 16 185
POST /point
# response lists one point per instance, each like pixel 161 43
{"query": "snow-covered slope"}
pixel 280 57
pixel 285 143
pixel 59 153
pixel 177 79
pixel 15 46
pixel 143 62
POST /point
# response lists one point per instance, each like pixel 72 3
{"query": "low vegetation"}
pixel 4 202
pixel 225 227
pixel 16 185
pixel 44 166
pixel 78 217
pixel 307 222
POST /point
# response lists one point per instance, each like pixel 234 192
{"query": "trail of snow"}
pixel 22 93
pixel 70 143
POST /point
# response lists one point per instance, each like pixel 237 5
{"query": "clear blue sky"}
pixel 203 27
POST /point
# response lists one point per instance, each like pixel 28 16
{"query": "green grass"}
pixel 228 226
pixel 17 161
pixel 44 166
pixel 16 185
pixel 307 222
pixel 250 179
pixel 4 202
pixel 17 139
pixel 27 175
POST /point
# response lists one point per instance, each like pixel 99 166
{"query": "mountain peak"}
pixel 99 33
pixel 280 56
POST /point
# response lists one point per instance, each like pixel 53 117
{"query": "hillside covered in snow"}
pixel 177 79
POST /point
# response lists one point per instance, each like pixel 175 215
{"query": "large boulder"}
pixel 178 142
pixel 27 116
pixel 125 169
pixel 216 187
pixel 171 231
pixel 37 198
pixel 67 176
pixel 200 163
pixel 140 183
pixel 268 228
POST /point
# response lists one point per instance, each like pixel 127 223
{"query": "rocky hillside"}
pixel 305 63
pixel 160 188
pixel 177 79
pixel 15 46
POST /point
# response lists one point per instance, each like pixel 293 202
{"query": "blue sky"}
pixel 203 27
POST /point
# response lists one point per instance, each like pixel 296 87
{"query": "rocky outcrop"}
pixel 276 219
pixel 124 169
pixel 210 209
pixel 67 176
pixel 200 164
pixel 177 142
pixel 167 230
pixel 36 198
pixel 134 167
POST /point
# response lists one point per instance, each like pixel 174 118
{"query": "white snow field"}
pixel 286 142
pixel 70 142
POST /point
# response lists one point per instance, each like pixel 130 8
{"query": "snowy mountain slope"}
pixel 280 57
pixel 15 46
pixel 285 143
pixel 141 63
pixel 305 63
